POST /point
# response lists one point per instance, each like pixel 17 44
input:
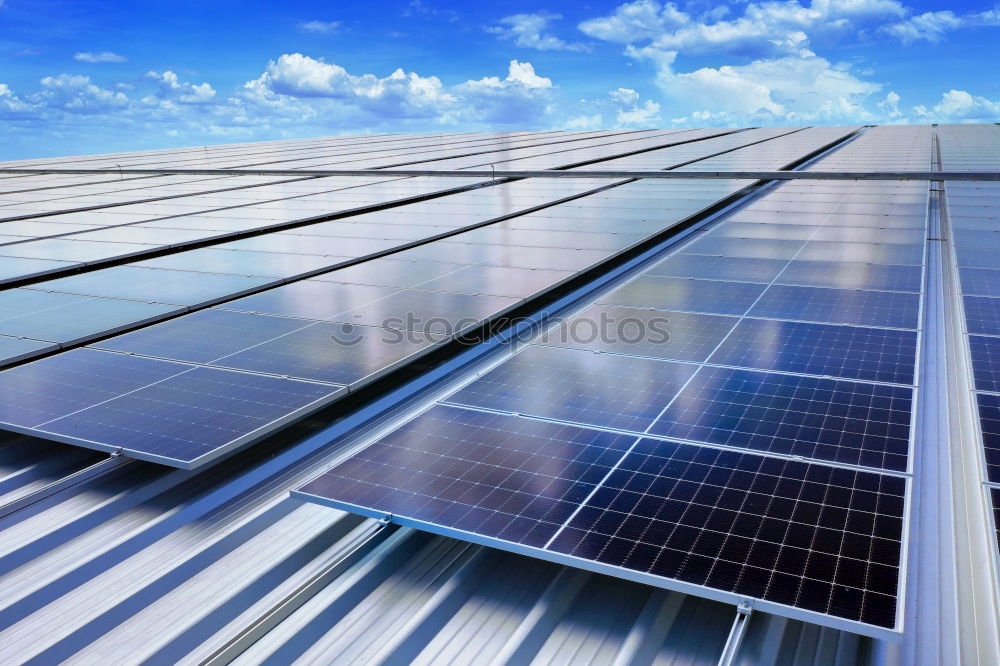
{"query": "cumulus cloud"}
pixel 77 94
pixel 171 88
pixel 323 27
pixel 529 31
pixel 961 106
pixel 103 56
pixel 933 26
pixel 764 28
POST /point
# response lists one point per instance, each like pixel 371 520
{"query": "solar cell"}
pixel 851 275
pixel 982 315
pixel 579 386
pixel 16 349
pixel 83 318
pixel 745 247
pixel 980 282
pixel 839 306
pixel 989 421
pixel 985 362
pixel 17 268
pixel 886 253
pixel 310 299
pixel 850 352
pixel 708 296
pixel 826 419
pixel 814 537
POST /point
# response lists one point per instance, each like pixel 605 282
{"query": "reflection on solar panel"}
pixel 733 411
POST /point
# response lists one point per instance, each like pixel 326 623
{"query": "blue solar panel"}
pixel 310 299
pixel 827 419
pixel 156 410
pixel 980 282
pixel 668 335
pixel 784 531
pixel 745 247
pixel 810 536
pixel 851 352
pixel 970 256
pixel 839 306
pixel 718 268
pixel 851 275
pixel 84 318
pixel 982 315
pixel 863 252
pixel 580 386
pixel 985 362
pixel 16 349
pixel 708 296
pixel 989 420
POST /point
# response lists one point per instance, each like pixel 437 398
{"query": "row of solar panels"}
pixel 182 407
pixel 973 212
pixel 759 450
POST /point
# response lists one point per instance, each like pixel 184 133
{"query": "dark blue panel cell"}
pixel 810 536
pixel 840 306
pixel 989 420
pixel 191 416
pixel 985 362
pixel 202 337
pixel 980 282
pixel 581 386
pixel 495 475
pixel 718 268
pixel 851 275
pixel 826 419
pixel 995 497
pixel 38 392
pixel 657 334
pixel 709 296
pixel 851 352
pixel 982 315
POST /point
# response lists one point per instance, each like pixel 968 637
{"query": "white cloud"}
pixel 791 89
pixel 323 27
pixel 519 75
pixel 959 105
pixel 624 96
pixel 585 122
pixel 76 94
pixel 529 31
pixel 647 115
pixel 171 88
pixel 890 105
pixel 765 28
pixel 103 56
pixel 933 26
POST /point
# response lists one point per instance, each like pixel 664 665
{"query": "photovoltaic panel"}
pixel 887 253
pixel 839 306
pixel 745 247
pixel 717 523
pixel 989 421
pixel 662 334
pixel 708 296
pixel 982 315
pixel 850 352
pixel 580 386
pixel 310 299
pixel 980 282
pixel 150 409
pixel 718 268
pixel 851 275
pixel 826 419
pixel 985 362
pixel 15 349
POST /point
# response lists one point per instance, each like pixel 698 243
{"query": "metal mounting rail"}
pixel 544 173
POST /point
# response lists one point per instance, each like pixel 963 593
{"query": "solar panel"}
pixel 980 282
pixel 717 523
pixel 851 275
pixel 718 268
pixel 850 352
pixel 982 315
pixel 989 421
pixel 708 296
pixel 156 410
pixel 579 386
pixel 15 349
pixel 839 306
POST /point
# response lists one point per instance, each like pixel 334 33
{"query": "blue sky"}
pixel 92 76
